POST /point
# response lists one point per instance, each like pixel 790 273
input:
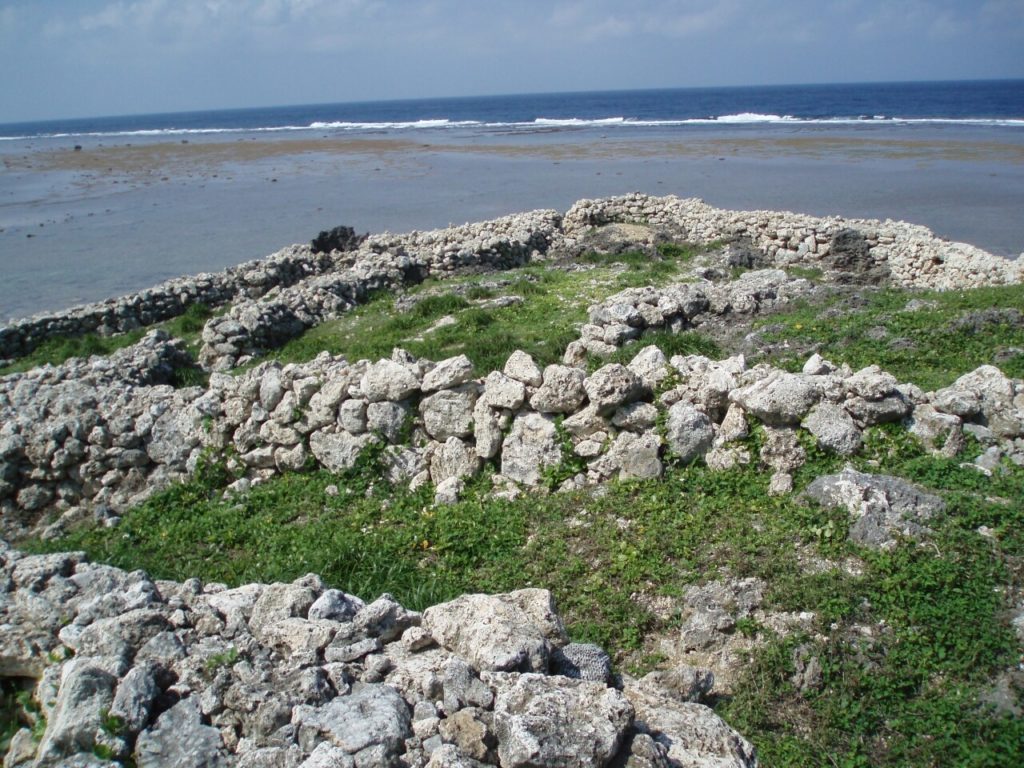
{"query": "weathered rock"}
pixel 530 446
pixel 339 451
pixel 612 386
pixel 693 733
pixel 453 459
pixel 510 632
pixel 180 739
pixel 501 391
pixel 521 367
pixel 582 661
pixel 882 507
pixel 833 428
pixel 541 722
pixel 449 413
pixel 688 432
pixel 448 374
pixel 371 724
pixel 388 380
pixel 780 399
pixel 634 457
pixel 562 390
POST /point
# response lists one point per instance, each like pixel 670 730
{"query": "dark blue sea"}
pixel 970 103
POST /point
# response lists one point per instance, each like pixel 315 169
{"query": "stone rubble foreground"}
pixel 301 676
pixel 89 439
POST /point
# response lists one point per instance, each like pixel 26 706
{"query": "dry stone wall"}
pixel 907 254
pixel 93 438
pixel 170 299
pixel 914 256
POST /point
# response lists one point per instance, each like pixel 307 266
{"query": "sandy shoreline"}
pixel 80 226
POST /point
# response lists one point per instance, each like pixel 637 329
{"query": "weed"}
pixel 221 660
pixel 112 725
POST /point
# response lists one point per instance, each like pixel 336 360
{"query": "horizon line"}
pixel 506 95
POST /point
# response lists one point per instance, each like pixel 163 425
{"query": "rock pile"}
pixel 297 675
pixel 624 317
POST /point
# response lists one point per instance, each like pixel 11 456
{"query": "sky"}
pixel 81 58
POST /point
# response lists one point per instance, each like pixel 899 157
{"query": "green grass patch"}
pixel 553 307
pixel 188 326
pixel 954 333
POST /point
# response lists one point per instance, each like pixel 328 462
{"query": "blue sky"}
pixel 68 58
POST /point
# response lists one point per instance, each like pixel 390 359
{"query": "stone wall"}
pixel 170 299
pixel 382 262
pixel 90 439
pixel 915 257
pixel 906 254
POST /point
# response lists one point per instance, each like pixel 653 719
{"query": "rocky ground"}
pixel 103 666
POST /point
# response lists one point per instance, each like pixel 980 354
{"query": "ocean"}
pixel 99 207
pixel 998 103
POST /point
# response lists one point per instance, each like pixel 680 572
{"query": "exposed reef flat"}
pixel 131 216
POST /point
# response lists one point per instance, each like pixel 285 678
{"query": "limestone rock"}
pixel 448 374
pixel 181 739
pixel 562 390
pixel 688 432
pixel 339 451
pixel 833 428
pixel 449 412
pixel 530 446
pixel 509 632
pixel 388 380
pixel 501 391
pixel 693 733
pixel 453 459
pixel 372 722
pixel 521 367
pixel 612 386
pixel 780 399
pixel 541 721
pixel 881 507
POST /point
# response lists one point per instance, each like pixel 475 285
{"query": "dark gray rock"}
pixel 881 507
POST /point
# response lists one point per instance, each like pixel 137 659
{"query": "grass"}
pixel 553 306
pixel 931 346
pixel 188 326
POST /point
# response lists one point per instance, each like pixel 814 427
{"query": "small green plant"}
pixel 807 273
pixel 570 465
pixel 221 660
pixel 112 724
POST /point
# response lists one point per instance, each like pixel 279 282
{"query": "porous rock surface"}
pixel 120 666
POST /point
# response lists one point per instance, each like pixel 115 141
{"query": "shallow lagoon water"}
pixel 110 219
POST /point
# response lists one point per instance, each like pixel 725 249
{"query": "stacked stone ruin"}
pixel 299 675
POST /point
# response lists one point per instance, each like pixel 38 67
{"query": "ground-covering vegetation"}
pixel 929 338
pixel 187 326
pixel 911 641
pixel 907 692
pixel 439 319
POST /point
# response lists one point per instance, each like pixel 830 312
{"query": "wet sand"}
pixel 110 219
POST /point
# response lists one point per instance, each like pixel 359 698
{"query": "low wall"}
pixel 910 255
